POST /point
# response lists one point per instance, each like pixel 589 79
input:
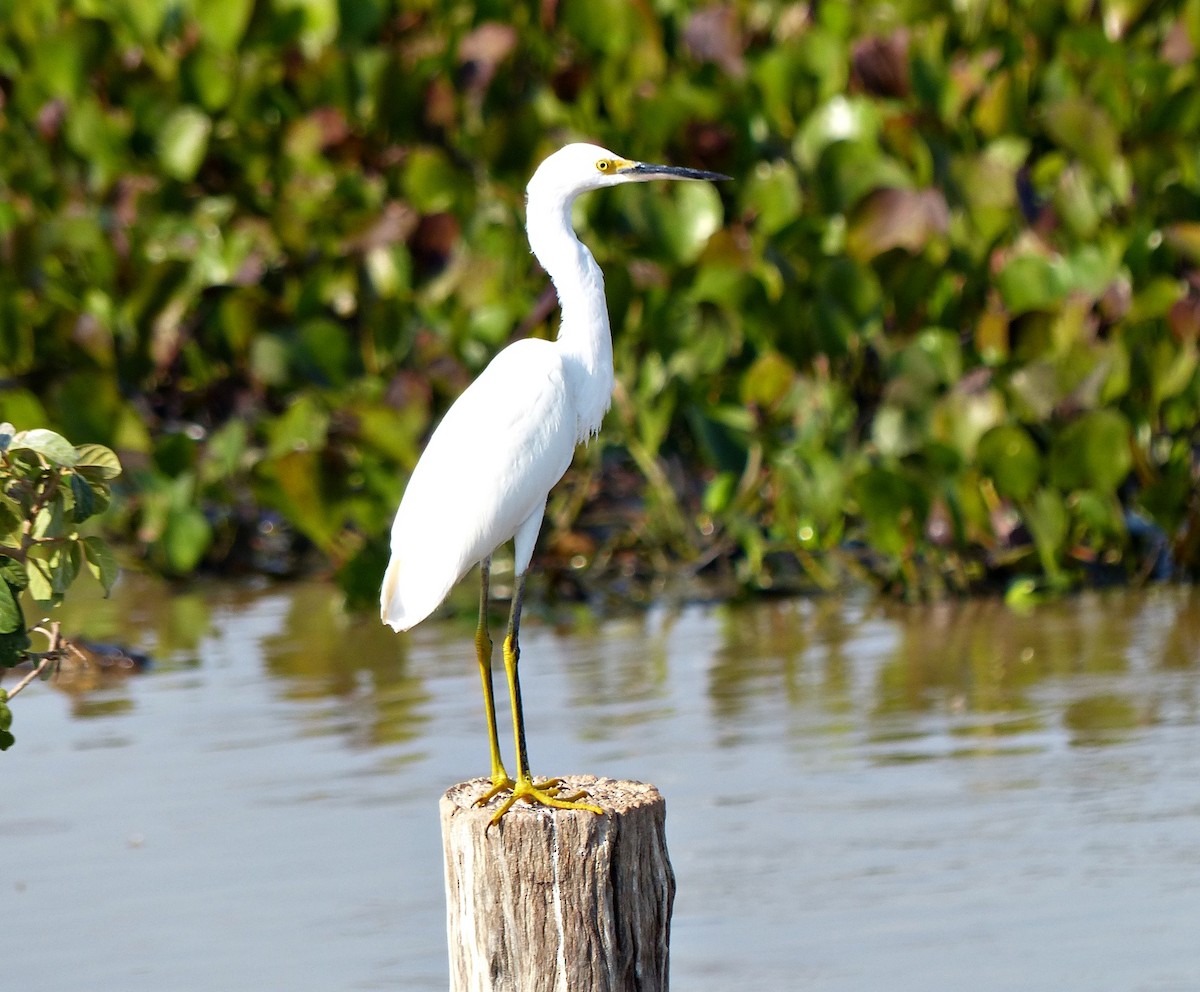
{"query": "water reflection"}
pixel 862 794
pixel 793 649
pixel 980 667
pixel 321 651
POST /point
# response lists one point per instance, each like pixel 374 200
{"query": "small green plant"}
pixel 48 487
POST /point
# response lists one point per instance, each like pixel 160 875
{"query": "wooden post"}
pixel 553 899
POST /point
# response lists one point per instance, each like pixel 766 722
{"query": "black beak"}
pixel 644 170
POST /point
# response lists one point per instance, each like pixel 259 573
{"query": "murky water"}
pixel 860 797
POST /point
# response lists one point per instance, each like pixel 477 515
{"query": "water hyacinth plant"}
pixel 941 331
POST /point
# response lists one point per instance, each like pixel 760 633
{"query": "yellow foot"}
pixel 500 783
pixel 542 793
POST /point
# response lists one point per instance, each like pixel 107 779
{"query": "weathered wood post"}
pixel 553 899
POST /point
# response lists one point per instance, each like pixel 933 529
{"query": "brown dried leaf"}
pixel 880 65
pixel 481 52
pixel 1177 47
pixel 433 241
pixel 332 126
pixel 897 218
pixel 714 35
pixel 395 224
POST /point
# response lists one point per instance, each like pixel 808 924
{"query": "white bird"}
pixel 484 477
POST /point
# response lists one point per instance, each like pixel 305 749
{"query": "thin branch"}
pixel 46 662
pixel 58 645
pixel 44 489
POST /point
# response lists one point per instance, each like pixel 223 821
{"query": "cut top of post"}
pixel 614 796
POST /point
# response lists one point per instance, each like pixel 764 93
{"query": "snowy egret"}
pixel 484 477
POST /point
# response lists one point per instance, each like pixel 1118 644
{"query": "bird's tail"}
pixel 406 599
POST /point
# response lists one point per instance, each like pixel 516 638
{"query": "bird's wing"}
pixel 488 467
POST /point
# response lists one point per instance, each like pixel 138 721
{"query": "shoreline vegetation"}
pixel 940 334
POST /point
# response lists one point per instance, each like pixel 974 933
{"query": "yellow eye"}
pixel 603 165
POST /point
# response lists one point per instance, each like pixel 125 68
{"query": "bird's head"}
pixel 580 167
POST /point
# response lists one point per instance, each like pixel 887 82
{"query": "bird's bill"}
pixel 644 171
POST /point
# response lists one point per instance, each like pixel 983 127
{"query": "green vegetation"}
pixel 47 489
pixel 942 329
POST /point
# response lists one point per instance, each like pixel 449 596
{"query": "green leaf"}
pixel 1184 237
pixel 718 494
pixel 224 452
pixel 840 119
pixel 101 562
pixel 698 216
pixel 64 567
pixel 53 447
pixel 1093 452
pixel 932 361
pixel 40 586
pixel 767 381
pixel 186 537
pixel 49 522
pixel 85 499
pixel 1099 513
pixel 212 75
pixel 395 433
pixel 603 25
pixel 14 646
pixel 11 617
pixel 323 352
pixel 1155 298
pixel 849 170
pixel 960 418
pixel 6 738
pixel 773 194
pixel 60 59
pixel 304 426
pixel 1030 282
pixel 1172 368
pixel 13 572
pixel 98 137
pixel 317 20
pixel 430 181
pixel 893 507
pixel 1046 517
pixel 1086 131
pixel 1024 593
pixel 175 454
pixel 97 462
pixel 301 495
pixel 1008 456
pixel 223 22
pixel 183 142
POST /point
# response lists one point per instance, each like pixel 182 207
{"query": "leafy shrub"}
pixel 943 327
pixel 47 489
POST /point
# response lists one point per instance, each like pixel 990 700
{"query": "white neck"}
pixel 583 335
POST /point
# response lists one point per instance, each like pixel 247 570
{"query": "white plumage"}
pixel 486 472
pixel 484 477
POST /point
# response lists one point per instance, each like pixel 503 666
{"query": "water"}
pixel 860 797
